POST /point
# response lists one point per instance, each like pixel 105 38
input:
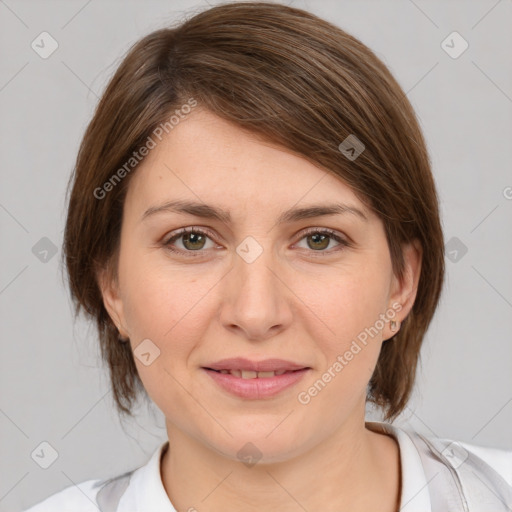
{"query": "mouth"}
pixel 250 374
pixel 252 385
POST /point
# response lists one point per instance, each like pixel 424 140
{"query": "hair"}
pixel 298 81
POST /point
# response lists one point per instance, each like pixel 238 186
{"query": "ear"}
pixel 404 290
pixel 112 300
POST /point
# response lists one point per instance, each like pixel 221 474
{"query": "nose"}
pixel 256 295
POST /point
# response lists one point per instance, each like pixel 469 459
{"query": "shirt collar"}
pixel 415 496
pixel 146 490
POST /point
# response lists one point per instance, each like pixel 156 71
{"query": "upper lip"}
pixel 267 365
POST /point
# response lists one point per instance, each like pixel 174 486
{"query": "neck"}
pixel 354 469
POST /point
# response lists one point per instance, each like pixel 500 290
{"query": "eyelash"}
pixel 311 231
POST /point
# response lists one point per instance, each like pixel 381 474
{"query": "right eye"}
pixel 193 241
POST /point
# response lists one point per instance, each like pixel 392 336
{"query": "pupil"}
pixel 193 238
pixel 320 238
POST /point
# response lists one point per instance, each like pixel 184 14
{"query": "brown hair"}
pixel 296 80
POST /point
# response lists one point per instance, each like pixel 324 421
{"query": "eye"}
pixel 194 240
pixel 319 239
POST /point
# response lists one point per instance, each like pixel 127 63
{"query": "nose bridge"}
pixel 257 298
pixel 254 260
pixel 253 263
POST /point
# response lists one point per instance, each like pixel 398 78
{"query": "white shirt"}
pixel 142 490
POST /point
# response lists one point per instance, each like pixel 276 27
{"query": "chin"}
pixel 259 441
pixel 250 452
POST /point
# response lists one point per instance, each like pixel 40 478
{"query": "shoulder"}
pixel 75 498
pixel 498 459
pixel 452 453
pixel 475 476
pixel 462 455
pixel 444 474
pixel 109 494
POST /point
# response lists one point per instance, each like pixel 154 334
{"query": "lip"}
pixel 267 365
pixel 258 388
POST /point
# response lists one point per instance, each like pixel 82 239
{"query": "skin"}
pixel 291 302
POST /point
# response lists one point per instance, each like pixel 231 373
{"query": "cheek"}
pixel 344 303
pixel 170 309
pixel 350 348
pixel 346 326
pixel 173 309
pixel 157 298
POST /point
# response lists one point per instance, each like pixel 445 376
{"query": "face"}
pixel 304 289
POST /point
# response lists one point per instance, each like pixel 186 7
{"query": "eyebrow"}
pixel 292 215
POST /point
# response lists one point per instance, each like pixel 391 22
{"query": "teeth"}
pixel 265 374
pixel 249 374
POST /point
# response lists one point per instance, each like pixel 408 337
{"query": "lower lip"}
pixel 256 388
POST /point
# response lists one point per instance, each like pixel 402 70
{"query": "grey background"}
pixel 53 386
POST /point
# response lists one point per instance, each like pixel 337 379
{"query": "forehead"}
pixel 208 159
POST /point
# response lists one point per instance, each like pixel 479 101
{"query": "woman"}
pixel 254 227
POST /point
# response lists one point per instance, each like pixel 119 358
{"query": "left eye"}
pixel 194 240
pixel 317 240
